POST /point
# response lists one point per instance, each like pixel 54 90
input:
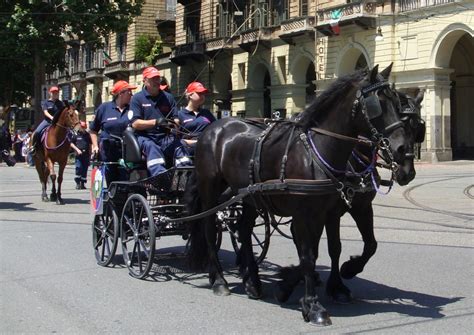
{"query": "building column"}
pixel 437 114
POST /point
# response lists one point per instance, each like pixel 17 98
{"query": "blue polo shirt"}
pixel 194 124
pixel 109 120
pixel 146 107
pixel 52 107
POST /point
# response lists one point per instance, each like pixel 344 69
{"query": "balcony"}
pixel 77 77
pixel 165 15
pixel 251 38
pixel 117 70
pixel 93 74
pixel 362 14
pixel 411 5
pixel 64 78
pixel 300 26
pixel 216 44
pixel 194 51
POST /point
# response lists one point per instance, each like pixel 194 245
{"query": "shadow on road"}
pixel 17 206
pixel 370 297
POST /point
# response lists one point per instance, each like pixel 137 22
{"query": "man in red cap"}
pixel 110 120
pixel 50 107
pixel 151 109
pixel 193 119
pixel 82 145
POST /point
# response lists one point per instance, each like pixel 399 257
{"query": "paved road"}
pixel 420 280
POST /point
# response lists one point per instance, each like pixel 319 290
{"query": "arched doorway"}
pixel 267 104
pixel 462 90
pixel 352 59
pixel 258 98
pixel 310 82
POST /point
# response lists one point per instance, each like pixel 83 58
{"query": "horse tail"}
pixel 198 257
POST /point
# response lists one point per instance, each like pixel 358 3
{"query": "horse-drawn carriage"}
pixel 282 169
pixel 135 212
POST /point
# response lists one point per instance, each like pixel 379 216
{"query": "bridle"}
pixel 66 138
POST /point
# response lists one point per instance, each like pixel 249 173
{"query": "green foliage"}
pixel 36 27
pixel 148 48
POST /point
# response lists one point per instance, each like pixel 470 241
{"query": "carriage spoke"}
pixel 134 250
pixel 139 257
pixel 145 250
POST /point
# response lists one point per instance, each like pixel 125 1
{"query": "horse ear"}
pixel 386 72
pixel 373 74
pixel 419 97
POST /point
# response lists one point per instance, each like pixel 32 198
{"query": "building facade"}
pixel 264 57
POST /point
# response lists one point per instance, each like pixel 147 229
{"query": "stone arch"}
pixel 349 58
pixel 444 44
pixel 259 86
pixel 299 67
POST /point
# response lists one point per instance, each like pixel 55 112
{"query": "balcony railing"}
pixel 408 5
pixel 362 14
pixel 297 27
pixel 194 51
pixel 117 70
pixel 249 38
pixel 165 15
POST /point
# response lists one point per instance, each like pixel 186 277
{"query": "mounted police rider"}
pixel 50 107
pixel 192 120
pixel 151 108
pixel 112 118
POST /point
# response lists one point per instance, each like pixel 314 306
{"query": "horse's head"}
pixel 380 108
pixel 70 117
pixel 415 133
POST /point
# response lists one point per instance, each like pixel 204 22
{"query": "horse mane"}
pixel 58 115
pixel 330 97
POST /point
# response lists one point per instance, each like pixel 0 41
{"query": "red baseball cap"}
pixel 122 85
pixel 53 89
pixel 150 72
pixel 197 87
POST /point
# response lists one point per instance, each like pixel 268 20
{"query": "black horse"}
pixel 233 153
pixel 361 208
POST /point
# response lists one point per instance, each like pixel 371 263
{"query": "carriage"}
pixel 134 213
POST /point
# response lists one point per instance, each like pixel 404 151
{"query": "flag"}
pixel 107 58
pixel 334 22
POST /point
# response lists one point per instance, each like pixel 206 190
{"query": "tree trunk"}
pixel 39 80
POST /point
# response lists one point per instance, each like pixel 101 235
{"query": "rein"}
pixel 66 138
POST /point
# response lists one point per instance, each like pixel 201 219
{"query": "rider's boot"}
pixel 82 185
pixel 34 143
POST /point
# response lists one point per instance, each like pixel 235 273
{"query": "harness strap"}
pixel 285 155
pixel 360 141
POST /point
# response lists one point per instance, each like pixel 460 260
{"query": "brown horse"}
pixel 56 144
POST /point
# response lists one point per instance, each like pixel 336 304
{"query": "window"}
pixel 121 46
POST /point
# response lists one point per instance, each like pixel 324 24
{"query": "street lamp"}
pixel 379 36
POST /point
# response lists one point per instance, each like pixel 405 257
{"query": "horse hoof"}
pixel 253 292
pixel 320 319
pixel 53 197
pixel 60 202
pixel 347 270
pixel 220 290
pixel 342 298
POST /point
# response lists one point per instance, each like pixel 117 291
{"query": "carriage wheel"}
pixel 138 236
pixel 260 234
pixel 105 233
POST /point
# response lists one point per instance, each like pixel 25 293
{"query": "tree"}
pixel 34 34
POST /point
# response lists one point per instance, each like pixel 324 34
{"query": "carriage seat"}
pixel 131 148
